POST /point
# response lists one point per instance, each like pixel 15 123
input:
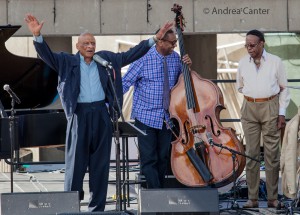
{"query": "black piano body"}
pixel 35 84
pixel 38 128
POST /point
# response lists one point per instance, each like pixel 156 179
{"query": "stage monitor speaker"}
pixel 98 213
pixel 178 201
pixel 39 203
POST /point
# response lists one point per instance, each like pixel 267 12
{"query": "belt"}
pixel 249 99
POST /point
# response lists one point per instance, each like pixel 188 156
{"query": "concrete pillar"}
pixel 202 49
pixel 58 44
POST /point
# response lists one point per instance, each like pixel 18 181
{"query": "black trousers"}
pixel 88 145
pixel 154 153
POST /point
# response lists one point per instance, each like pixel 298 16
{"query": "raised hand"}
pixel 33 24
pixel 163 30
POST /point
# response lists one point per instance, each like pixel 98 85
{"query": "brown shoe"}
pixel 251 203
pixel 274 204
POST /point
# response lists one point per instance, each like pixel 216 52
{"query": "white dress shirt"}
pixel 265 81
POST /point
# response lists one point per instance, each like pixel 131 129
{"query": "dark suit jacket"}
pixel 68 68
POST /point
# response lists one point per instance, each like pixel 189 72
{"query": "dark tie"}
pixel 166 93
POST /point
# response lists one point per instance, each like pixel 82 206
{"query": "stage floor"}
pixel 50 178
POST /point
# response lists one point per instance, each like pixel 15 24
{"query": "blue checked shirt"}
pixel 147 77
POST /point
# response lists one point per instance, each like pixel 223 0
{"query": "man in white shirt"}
pixel 262 80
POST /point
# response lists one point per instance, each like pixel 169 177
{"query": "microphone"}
pixel 209 138
pixel 11 93
pixel 103 62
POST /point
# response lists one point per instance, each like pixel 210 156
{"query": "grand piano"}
pixel 36 123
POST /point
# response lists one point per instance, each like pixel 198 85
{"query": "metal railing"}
pixel 216 81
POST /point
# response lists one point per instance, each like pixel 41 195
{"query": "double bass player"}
pixel 153 76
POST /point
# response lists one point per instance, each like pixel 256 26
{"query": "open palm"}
pixel 33 24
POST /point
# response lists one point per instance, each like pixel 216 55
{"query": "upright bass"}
pixel 195 106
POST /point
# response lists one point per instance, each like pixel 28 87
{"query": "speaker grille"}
pixel 180 201
pixel 40 203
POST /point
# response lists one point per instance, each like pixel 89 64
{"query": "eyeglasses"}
pixel 173 43
pixel 251 45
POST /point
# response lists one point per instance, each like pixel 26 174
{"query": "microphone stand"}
pixel 12 127
pixel 12 132
pixel 117 137
pixel 234 204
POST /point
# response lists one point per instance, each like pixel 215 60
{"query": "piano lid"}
pixel 31 79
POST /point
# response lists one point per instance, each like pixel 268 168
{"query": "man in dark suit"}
pixel 84 89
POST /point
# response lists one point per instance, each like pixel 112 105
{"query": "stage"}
pixel 50 178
